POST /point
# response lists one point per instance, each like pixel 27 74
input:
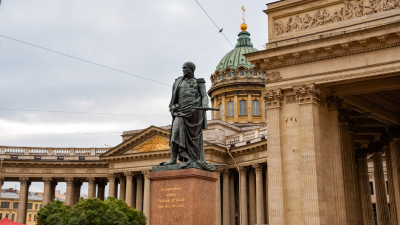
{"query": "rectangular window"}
pixel 40 206
pixel 13 217
pixel 1 216
pixel 34 217
pixel 243 108
pixel 375 217
pixel 29 206
pixel 256 108
pixel 15 205
pixel 7 215
pixel 30 217
pixel 220 111
pixel 36 206
pixel 5 205
pixel 372 188
pixel 241 72
pixel 229 74
pixel 230 109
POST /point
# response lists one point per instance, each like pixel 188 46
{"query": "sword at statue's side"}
pixel 206 108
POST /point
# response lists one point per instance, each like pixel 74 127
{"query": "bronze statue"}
pixel 188 106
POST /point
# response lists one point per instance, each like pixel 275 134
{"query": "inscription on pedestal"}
pixel 172 198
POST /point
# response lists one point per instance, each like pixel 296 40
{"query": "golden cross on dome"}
pixel 243 12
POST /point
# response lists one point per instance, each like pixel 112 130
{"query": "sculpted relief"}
pixel 347 10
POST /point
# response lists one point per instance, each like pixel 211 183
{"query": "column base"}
pixel 185 196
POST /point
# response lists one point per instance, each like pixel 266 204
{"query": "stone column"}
pixel 53 191
pixel 215 113
pixel 249 107
pixel 347 152
pixel 243 196
pixel 258 168
pixel 47 190
pixel 116 187
pixel 392 197
pixel 232 199
pixel 129 188
pixel 77 192
pixel 360 219
pixel 382 208
pixel 122 187
pixel 23 200
pixel 266 196
pixel 101 190
pixel 235 107
pixel 69 198
pixel 338 182
pixel 395 162
pixel 314 206
pixel 92 187
pixel 1 186
pixel 218 213
pixel 223 108
pixel 252 197
pixel 146 202
pixel 111 185
pixel 226 198
pixel 139 192
pixel 365 190
pixel 262 106
pixel 275 188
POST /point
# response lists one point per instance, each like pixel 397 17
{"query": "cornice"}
pixel 386 72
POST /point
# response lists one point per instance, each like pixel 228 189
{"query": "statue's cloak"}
pixel 187 123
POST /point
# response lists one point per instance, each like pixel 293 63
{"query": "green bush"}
pixel 90 211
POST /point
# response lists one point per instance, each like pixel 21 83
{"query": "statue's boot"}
pixel 174 155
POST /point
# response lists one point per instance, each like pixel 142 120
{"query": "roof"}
pixel 12 195
pixel 6 221
pixel 235 58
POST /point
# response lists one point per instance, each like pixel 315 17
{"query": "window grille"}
pixel 243 107
pixel 5 205
pixel 29 206
pixel 256 108
pixel 15 205
pixel 230 109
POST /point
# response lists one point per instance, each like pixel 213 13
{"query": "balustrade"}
pixel 233 139
pixel 61 151
pixel 101 151
pixel 14 151
pixel 38 151
pixel 263 131
pixel 82 152
pixel 249 135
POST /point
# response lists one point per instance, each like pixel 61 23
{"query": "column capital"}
pixel 243 170
pixel 307 94
pixel 394 132
pixel 146 174
pixel 111 177
pixel 344 114
pixel 273 98
pixel 70 180
pixel 129 174
pixel 47 180
pixel 249 92
pixel 362 153
pixel 139 176
pixel 24 180
pixel 91 180
pixel 226 173
pixel 223 94
pixel 334 102
pixel 258 167
pixel 235 93
pixel 219 170
pixel 376 146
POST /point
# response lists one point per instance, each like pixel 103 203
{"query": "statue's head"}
pixel 188 68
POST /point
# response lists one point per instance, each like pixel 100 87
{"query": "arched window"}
pixel 254 72
pixel 219 77
pixel 229 74
pixel 241 72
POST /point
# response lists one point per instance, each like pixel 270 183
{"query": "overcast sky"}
pixel 151 38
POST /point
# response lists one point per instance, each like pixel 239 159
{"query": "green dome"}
pixel 235 58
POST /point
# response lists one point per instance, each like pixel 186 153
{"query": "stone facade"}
pixel 331 86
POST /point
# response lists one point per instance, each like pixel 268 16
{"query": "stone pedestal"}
pixel 184 196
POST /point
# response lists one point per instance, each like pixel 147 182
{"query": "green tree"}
pixel 91 211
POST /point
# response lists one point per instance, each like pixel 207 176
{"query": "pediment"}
pixel 149 140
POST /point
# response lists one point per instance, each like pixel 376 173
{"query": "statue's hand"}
pixel 175 108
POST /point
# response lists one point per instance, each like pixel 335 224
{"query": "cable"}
pixel 96 113
pixel 55 134
pixel 214 23
pixel 60 53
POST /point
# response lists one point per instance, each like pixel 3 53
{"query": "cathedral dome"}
pixel 235 58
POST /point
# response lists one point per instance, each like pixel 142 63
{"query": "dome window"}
pixel 241 72
pixel 255 72
pixel 219 77
pixel 229 74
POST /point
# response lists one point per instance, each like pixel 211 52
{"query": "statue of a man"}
pixel 188 99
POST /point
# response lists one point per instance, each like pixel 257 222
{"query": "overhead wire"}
pixel 84 60
pixel 18 135
pixel 95 113
pixel 214 23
